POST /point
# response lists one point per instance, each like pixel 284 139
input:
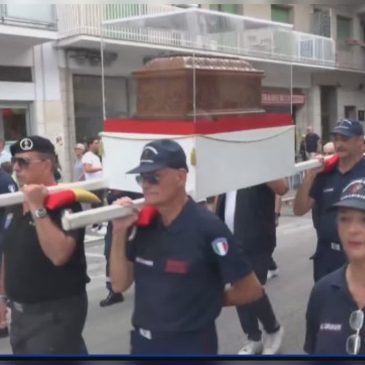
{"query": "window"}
pixel 15 74
pixel 350 112
pixel 13 123
pixel 226 8
pixel 344 28
pixel 88 102
pixel 321 22
pixel 282 14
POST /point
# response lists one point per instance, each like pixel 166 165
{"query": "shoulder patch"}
pixel 11 188
pixel 220 246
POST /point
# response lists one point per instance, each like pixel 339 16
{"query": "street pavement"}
pixel 107 329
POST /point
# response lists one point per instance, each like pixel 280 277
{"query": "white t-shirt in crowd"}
pixel 230 209
pixel 5 156
pixel 94 160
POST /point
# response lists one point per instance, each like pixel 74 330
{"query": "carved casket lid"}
pixel 201 63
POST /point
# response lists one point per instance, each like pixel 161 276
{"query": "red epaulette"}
pixel 146 216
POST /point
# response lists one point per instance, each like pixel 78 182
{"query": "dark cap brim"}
pixel 145 168
pixel 344 132
pixel 350 203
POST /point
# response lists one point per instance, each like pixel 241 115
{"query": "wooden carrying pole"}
pixel 82 219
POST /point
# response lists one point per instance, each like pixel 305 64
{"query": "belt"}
pixel 43 306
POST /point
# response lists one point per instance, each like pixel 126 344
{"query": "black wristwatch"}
pixel 40 213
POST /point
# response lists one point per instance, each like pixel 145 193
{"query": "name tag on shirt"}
pixel 331 327
pixel 329 190
pixel 177 266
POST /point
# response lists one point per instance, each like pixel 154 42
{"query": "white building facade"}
pixel 50 67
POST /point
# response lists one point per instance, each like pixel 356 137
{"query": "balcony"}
pixel 27 24
pixel 350 55
pixel 79 25
pixel 191 30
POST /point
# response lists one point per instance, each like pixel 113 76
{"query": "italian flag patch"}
pixel 220 246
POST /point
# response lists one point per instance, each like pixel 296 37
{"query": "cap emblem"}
pixel 149 154
pixel 26 144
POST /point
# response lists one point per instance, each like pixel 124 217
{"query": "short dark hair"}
pixel 53 158
pixel 91 140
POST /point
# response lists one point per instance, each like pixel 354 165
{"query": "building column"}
pixel 48 112
pixel 314 109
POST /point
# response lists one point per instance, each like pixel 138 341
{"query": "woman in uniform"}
pixel 335 313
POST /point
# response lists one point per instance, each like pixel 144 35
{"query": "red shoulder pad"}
pixel 146 216
pixel 59 199
pixel 330 163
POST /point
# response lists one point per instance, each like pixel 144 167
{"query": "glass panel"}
pixel 280 14
pixel 43 12
pixel 201 92
pixel 230 35
pixel 200 85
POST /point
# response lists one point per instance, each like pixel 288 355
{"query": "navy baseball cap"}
pixel 33 143
pixel 353 195
pixel 349 128
pixel 159 154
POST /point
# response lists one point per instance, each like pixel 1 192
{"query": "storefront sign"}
pixel 282 99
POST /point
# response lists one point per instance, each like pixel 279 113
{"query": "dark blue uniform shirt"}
pixel 181 270
pixel 326 191
pixel 329 309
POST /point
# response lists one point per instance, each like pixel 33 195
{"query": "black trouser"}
pixel 107 248
pixel 272 264
pixel 250 314
pixel 49 327
pixel 201 342
pixel 326 260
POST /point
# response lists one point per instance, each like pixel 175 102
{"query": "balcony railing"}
pixel 196 29
pixel 86 19
pixel 42 16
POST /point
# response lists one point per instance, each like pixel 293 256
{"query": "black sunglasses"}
pixel 148 178
pixel 23 162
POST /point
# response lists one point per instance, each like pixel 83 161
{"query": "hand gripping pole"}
pixel 82 219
